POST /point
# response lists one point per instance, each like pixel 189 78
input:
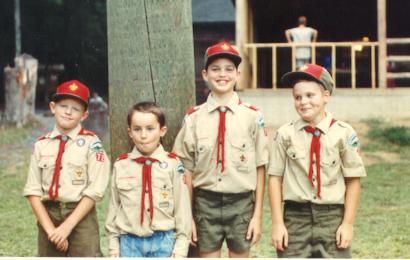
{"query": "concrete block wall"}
pixel 347 105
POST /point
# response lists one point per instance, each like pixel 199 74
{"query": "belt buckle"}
pixel 61 205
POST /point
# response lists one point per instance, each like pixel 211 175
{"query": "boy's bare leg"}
pixel 215 254
pixel 238 255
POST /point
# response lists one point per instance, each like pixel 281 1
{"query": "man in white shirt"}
pixel 302 34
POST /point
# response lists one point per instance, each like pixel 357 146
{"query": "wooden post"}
pixel 242 37
pixel 381 33
pixel 150 58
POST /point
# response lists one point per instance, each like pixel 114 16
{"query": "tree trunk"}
pixel 150 58
pixel 20 87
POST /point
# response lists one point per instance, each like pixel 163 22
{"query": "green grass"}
pixel 382 228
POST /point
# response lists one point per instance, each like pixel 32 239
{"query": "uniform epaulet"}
pixel 172 155
pixel 43 137
pixel 192 110
pixel 250 106
pixel 122 156
pixel 84 131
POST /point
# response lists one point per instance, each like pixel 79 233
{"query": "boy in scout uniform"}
pixel 69 172
pixel 149 213
pixel 223 145
pixel 315 169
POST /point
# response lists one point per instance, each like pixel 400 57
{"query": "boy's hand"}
pixel 254 230
pixel 174 255
pixel 279 237
pixel 344 235
pixel 63 246
pixel 60 234
pixel 114 255
pixel 194 238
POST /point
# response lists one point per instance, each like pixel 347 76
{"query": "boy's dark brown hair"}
pixel 147 107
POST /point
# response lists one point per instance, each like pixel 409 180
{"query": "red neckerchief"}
pixel 220 157
pixel 56 175
pixel 315 151
pixel 146 185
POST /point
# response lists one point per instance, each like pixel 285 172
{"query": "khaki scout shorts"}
pixel 312 231
pixel 84 240
pixel 221 216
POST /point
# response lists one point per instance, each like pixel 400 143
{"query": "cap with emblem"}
pixel 222 50
pixel 73 88
pixel 310 72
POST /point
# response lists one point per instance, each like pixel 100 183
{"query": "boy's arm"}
pixel 255 225
pixel 61 232
pixel 279 232
pixel 44 219
pixel 98 177
pixel 344 234
pixel 183 212
pixel 110 227
pixel 188 180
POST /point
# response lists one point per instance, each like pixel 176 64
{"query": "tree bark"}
pixel 20 88
pixel 150 58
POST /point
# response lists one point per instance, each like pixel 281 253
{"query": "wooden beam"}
pixel 381 33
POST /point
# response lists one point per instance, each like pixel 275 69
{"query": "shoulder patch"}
pixel 192 110
pixel 250 106
pixel 172 155
pixel 84 131
pixel 122 156
pixel 96 146
pixel 180 168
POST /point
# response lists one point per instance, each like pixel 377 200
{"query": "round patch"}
pixel 261 121
pixel 180 168
pixel 317 132
pixel 163 165
pixel 353 141
pixel 80 142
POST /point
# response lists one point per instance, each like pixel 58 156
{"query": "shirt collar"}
pixel 233 103
pixel 156 154
pixel 72 134
pixel 323 125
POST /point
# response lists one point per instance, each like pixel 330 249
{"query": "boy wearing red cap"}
pixel 315 169
pixel 68 174
pixel 223 145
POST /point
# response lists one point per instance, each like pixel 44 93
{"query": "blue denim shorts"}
pixel 160 244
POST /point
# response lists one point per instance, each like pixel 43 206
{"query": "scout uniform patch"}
pixel 96 146
pixel 180 168
pixel 80 142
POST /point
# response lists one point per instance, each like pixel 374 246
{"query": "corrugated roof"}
pixel 209 11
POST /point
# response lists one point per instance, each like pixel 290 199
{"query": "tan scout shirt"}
pixel 85 167
pixel 172 206
pixel 245 146
pixel 339 158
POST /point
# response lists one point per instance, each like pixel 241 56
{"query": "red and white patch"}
pixel 100 156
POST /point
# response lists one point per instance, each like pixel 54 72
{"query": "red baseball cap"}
pixel 73 88
pixel 310 72
pixel 222 50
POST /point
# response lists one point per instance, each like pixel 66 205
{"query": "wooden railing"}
pixel 398 58
pixel 252 49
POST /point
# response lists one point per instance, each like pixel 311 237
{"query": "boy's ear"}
pixel 163 131
pixel 129 132
pixel 205 75
pixel 85 115
pixel 326 94
pixel 52 106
